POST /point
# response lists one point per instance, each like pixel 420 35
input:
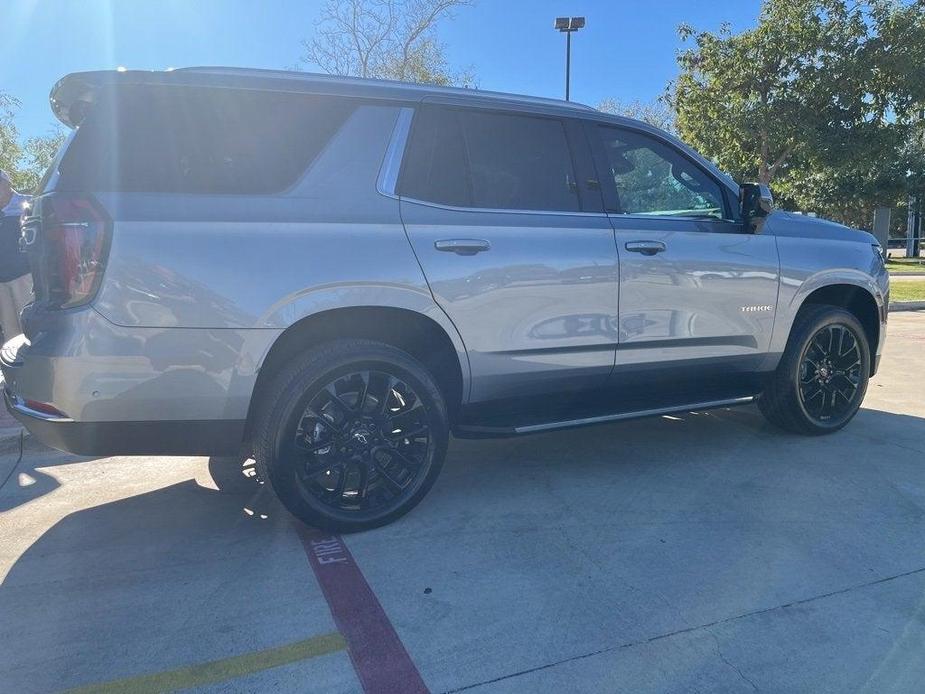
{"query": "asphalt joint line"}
pixel 688 630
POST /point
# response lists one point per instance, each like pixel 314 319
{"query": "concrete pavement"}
pixel 9 427
pixel 705 552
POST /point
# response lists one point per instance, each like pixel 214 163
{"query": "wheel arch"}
pixel 425 337
pixel 858 300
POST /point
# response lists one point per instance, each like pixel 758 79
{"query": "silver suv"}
pixel 333 275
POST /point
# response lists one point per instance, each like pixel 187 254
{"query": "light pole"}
pixel 567 25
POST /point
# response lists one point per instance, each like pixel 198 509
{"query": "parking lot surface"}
pixel 705 551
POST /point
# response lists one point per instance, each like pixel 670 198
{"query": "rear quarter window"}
pixel 207 141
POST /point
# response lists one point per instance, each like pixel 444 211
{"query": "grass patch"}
pixel 905 265
pixel 907 291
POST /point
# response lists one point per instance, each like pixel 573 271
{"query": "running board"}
pixel 475 430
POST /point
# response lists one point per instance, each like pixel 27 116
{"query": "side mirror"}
pixel 755 203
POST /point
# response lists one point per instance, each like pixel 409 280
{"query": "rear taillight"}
pixel 74 245
pixel 44 408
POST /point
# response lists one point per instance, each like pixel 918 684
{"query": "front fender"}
pixel 795 288
pixel 826 278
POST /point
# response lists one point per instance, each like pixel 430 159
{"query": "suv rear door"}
pixel 698 291
pixel 510 231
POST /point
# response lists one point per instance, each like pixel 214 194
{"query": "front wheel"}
pixel 352 435
pixel 822 378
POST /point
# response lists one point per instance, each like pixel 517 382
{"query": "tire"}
pixel 812 373
pixel 351 435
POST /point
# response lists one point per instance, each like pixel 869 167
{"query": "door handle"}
pixel 462 246
pixel 645 247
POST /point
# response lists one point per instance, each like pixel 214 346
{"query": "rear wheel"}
pixel 822 378
pixel 352 435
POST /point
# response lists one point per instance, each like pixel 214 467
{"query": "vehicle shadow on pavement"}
pixel 21 477
pixel 177 575
pixel 148 576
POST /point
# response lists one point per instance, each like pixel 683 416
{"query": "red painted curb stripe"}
pixel 379 657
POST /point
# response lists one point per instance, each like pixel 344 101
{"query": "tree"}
pixel 26 163
pixel 10 150
pixel 657 112
pixel 384 39
pixel 37 155
pixel 818 99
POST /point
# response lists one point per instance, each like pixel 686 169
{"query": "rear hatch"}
pixel 154 146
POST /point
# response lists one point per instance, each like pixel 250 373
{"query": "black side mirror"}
pixel 755 203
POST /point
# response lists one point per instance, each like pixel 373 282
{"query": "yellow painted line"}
pixel 220 670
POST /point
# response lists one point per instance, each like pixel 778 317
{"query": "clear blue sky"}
pixel 627 51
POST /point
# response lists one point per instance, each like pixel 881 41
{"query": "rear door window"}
pixel 484 159
pixel 209 141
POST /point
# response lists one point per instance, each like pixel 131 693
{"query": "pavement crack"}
pixel 687 630
pixel 722 656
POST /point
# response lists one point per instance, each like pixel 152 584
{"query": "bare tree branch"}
pixel 394 39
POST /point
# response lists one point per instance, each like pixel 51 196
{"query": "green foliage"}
pixel 384 39
pixel 820 100
pixel 657 113
pixel 38 153
pixel 26 162
pixel 10 150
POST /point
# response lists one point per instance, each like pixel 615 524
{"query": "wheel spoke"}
pixel 341 487
pixel 363 485
pixel 390 481
pixel 383 405
pixel 816 391
pixel 423 430
pixel 324 419
pixel 313 447
pixel 849 389
pixel 808 371
pixel 335 398
pixel 361 398
pixel 317 467
pixel 395 453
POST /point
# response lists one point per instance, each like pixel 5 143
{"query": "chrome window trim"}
pixel 678 218
pixel 495 210
pixel 391 163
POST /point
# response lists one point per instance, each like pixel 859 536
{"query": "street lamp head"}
pixel 569 23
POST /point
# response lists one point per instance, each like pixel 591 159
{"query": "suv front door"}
pixel 516 251
pixel 698 291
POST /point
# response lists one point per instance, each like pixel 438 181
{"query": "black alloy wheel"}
pixel 830 373
pixel 361 441
pixel 823 374
pixel 352 434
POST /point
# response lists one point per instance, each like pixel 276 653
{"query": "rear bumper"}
pixel 131 391
pixel 209 437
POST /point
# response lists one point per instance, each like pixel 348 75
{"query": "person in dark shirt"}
pixel 15 279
